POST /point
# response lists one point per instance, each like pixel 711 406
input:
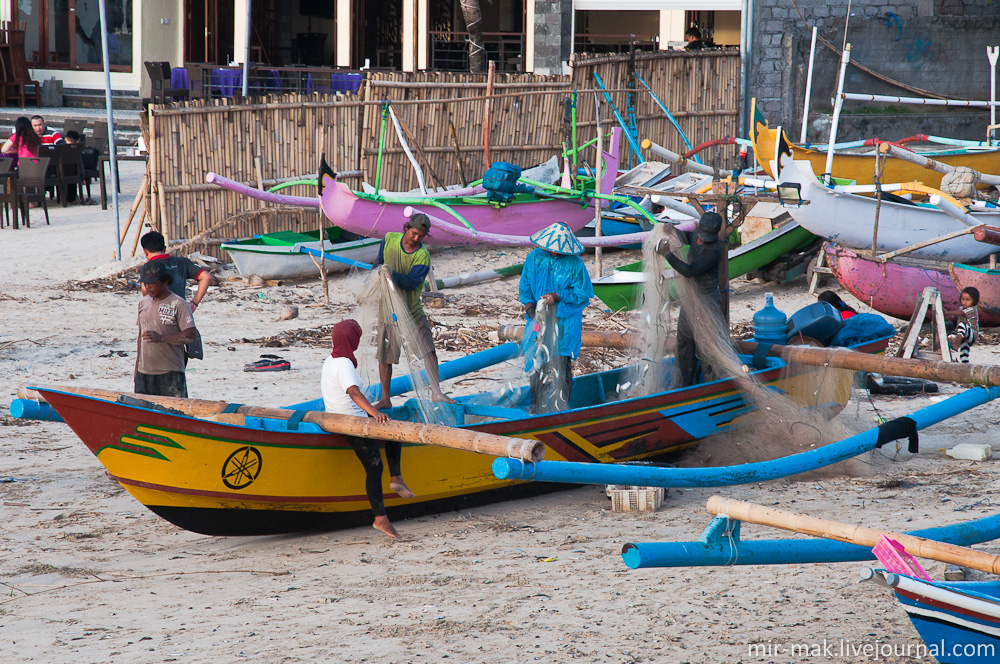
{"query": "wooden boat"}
pixel 893 288
pixel 959 621
pixel 288 254
pixel 257 476
pixel 623 288
pixel 849 220
pixel 373 215
pixel 860 167
pixel 983 279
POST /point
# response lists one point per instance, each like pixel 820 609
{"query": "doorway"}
pixel 208 31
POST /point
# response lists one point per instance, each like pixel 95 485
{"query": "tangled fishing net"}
pixel 778 423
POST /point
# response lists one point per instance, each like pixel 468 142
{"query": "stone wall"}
pixel 553 35
pixel 938 46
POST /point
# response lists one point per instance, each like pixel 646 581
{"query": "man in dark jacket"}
pixel 702 269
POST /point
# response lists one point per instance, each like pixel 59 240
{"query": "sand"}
pixel 89 575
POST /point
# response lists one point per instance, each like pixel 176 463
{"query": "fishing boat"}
pixel 848 219
pixel 622 289
pixel 374 215
pixel 289 254
pixel 229 474
pixel 983 279
pixel 959 621
pixel 894 287
pixel 860 166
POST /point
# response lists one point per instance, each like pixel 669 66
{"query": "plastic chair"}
pixel 18 83
pixel 30 186
pixel 69 170
pixel 159 77
pixel 79 126
pixel 8 198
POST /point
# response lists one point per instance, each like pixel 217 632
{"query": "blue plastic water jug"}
pixel 770 324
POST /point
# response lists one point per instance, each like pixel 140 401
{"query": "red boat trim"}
pixel 946 606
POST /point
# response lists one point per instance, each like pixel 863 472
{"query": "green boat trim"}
pixel 622 290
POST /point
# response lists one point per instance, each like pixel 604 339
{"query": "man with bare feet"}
pixel 341 388
pixel 405 260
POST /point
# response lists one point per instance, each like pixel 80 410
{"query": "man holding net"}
pixel 701 305
pixel 554 289
pixel 405 261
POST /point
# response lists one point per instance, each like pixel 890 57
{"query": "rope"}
pixel 919 91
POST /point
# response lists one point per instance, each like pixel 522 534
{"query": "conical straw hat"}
pixel 557 238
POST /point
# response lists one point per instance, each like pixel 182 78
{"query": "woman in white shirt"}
pixel 341 387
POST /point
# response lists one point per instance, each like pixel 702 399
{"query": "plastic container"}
pixel 635 498
pixel 770 325
pixel 500 182
pixel 820 321
pixel 895 559
pixel 971 452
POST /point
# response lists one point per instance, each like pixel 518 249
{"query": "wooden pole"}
pixel 486 115
pixel 345 425
pixel 458 152
pixel 836 358
pixel 598 254
pixel 853 534
pixel 131 213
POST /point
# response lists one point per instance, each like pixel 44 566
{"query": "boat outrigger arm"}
pixel 720 545
pixel 747 473
pixel 266 196
pixel 624 200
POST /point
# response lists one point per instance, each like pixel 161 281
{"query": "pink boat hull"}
pixel 373 218
pixel 893 289
pixel 986 281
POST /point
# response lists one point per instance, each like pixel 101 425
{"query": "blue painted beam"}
pixel 720 545
pixel 29 409
pixel 598 473
pixel 447 370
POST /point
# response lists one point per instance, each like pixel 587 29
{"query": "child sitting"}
pixel 967 328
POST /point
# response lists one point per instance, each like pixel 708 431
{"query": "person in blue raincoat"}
pixel 555 274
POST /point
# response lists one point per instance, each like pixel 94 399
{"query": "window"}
pixel 66 34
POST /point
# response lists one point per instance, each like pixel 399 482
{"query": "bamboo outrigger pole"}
pixel 836 358
pixel 845 532
pixel 347 425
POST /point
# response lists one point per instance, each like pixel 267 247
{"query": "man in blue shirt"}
pixel 554 274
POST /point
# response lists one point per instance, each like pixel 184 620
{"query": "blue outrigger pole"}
pixel 669 115
pixel 747 473
pixel 633 141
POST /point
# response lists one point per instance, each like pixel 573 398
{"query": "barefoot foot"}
pixel 382 404
pixel 441 397
pixel 399 486
pixel 382 523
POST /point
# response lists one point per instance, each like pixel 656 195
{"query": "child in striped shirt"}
pixel 967 330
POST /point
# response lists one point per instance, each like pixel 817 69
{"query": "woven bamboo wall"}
pixel 257 143
pixel 525 113
pixel 250 143
pixel 701 90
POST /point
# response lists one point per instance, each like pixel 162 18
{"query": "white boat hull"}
pixel 287 262
pixel 849 220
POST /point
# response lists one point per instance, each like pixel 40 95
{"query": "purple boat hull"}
pixel 376 216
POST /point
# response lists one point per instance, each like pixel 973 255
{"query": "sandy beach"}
pixel 89 575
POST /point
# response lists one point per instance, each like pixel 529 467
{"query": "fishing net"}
pixel 786 416
pixel 382 309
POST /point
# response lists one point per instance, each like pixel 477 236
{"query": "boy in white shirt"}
pixel 341 387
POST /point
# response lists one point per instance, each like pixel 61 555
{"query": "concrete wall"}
pixel 934 46
pixel 157 40
pixel 552 43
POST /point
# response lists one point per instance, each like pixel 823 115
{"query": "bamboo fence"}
pixel 261 142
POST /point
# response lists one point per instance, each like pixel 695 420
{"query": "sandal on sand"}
pixel 268 363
